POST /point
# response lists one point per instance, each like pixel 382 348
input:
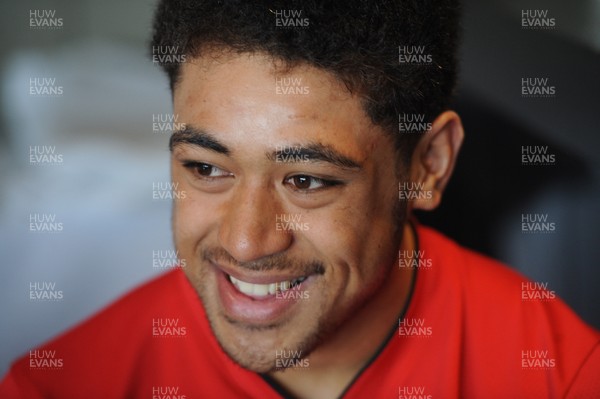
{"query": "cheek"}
pixel 349 244
pixel 351 236
pixel 191 218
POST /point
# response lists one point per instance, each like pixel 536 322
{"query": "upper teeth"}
pixel 264 289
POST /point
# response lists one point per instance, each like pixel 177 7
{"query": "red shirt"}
pixel 473 329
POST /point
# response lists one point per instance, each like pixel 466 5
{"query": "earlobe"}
pixel 434 159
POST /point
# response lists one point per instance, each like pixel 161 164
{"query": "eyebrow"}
pixel 314 152
pixel 198 137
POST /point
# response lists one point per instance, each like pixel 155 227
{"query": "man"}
pixel 305 275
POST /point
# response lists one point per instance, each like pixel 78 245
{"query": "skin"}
pixel 227 220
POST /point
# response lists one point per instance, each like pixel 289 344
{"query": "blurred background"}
pixel 79 100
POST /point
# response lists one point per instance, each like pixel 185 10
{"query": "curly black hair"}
pixel 358 41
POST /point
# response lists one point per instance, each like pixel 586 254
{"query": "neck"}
pixel 332 365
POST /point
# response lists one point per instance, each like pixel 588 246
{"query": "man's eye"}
pixel 309 183
pixel 205 170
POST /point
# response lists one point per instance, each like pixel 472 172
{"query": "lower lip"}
pixel 251 310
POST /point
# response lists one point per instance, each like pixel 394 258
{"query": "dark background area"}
pixel 490 189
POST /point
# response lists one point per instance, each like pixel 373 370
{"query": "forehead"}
pixel 260 72
pixel 252 94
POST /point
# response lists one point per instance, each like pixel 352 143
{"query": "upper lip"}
pixel 257 277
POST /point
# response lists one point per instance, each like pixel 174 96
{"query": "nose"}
pixel 247 231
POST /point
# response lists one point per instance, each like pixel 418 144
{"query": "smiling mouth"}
pixel 263 290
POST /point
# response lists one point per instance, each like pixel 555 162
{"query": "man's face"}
pixel 288 184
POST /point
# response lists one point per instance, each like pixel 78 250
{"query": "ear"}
pixel 434 158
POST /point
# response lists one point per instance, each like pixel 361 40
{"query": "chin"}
pixel 255 349
pixel 251 353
